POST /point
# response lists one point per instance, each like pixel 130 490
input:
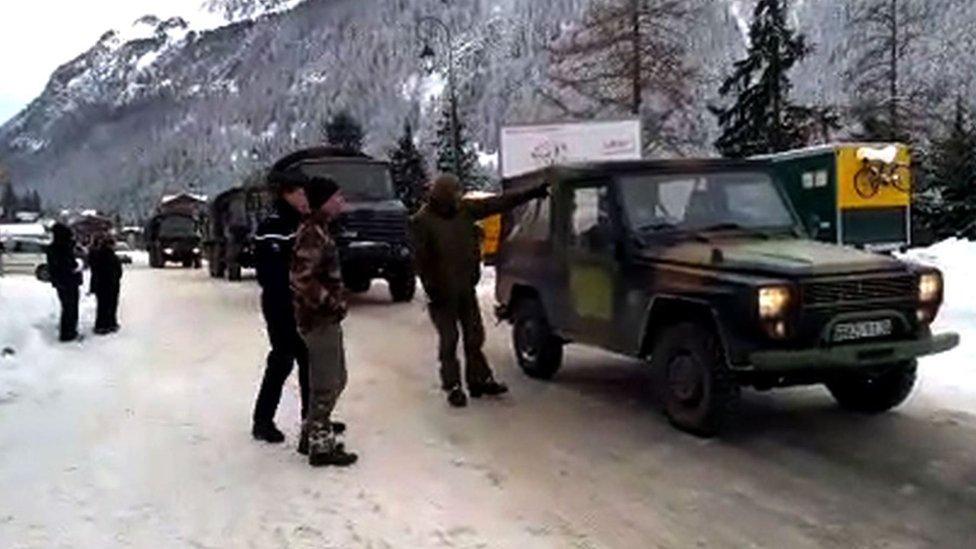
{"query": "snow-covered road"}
pixel 142 440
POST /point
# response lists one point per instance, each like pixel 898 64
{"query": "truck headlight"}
pixel 196 250
pixel 168 251
pixel 929 287
pixel 773 302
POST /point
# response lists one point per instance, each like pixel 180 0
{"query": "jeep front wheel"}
pixel 699 391
pixel 538 350
pixel 874 394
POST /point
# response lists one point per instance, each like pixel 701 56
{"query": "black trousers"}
pixel 108 305
pixel 69 296
pixel 287 348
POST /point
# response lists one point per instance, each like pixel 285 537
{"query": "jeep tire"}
pixel 403 287
pixel 357 285
pixel 699 392
pixel 538 350
pixel 874 394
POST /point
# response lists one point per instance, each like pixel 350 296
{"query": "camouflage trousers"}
pixel 326 381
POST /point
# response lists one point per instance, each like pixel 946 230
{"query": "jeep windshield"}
pixel 697 203
pixel 360 181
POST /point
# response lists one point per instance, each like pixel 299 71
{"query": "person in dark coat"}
pixel 447 252
pixel 65 272
pixel 106 282
pixel 274 242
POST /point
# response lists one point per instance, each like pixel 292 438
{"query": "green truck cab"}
pixel 703 269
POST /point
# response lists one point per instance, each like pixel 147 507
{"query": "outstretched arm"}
pixel 481 208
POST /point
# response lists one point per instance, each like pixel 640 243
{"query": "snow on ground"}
pixel 141 440
pixel 952 376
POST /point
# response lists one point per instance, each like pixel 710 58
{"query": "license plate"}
pixel 869 329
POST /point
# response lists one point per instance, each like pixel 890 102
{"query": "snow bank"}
pixel 952 376
pixel 29 312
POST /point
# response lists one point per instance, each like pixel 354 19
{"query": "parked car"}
pixel 702 269
pixel 25 255
pixel 124 251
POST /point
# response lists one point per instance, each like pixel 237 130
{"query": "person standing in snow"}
pixel 65 272
pixel 447 252
pixel 320 307
pixel 275 240
pixel 106 281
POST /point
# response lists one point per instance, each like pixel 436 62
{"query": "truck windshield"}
pixel 359 181
pixel 719 201
pixel 177 226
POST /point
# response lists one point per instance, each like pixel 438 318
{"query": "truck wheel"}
pixel 538 350
pixel 700 393
pixel 155 261
pixel 42 273
pixel 358 285
pixel 198 263
pixel 234 272
pixel 875 394
pixel 403 288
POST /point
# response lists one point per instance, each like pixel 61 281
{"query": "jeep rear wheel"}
pixel 538 350
pixel 874 394
pixel 699 391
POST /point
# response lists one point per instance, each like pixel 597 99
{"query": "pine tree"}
pixel 762 118
pixel 466 167
pixel 9 202
pixel 345 132
pixel 952 177
pixel 625 57
pixel 409 170
pixel 884 32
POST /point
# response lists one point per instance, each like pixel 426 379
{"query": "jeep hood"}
pixel 792 257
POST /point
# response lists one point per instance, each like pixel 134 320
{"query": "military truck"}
pixel 856 194
pixel 372 234
pixel 703 269
pixel 231 224
pixel 173 238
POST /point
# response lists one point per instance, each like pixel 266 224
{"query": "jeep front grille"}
pixel 858 290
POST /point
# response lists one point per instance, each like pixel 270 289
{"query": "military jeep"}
pixel 702 269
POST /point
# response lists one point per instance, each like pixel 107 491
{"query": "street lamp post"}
pixel 432 25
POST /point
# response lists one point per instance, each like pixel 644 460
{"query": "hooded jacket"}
pixel 447 242
pixel 62 264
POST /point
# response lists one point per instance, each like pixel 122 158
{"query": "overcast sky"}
pixel 37 36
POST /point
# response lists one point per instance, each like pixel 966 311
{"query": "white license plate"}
pixel 869 329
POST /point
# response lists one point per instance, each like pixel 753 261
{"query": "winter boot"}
pixel 456 397
pixel 337 456
pixel 489 387
pixel 338 428
pixel 268 433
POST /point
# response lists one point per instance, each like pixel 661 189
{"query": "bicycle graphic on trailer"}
pixel 880 169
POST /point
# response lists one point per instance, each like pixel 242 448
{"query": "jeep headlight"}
pixel 773 302
pixel 929 287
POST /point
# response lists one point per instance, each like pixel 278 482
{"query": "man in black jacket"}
pixel 275 240
pixel 65 271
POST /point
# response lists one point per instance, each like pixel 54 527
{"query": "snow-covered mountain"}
pixel 164 105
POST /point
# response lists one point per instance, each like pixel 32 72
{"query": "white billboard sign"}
pixel 528 148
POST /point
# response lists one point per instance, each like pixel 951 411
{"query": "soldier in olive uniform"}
pixel 448 255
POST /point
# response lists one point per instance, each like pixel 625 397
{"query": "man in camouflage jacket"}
pixel 320 307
